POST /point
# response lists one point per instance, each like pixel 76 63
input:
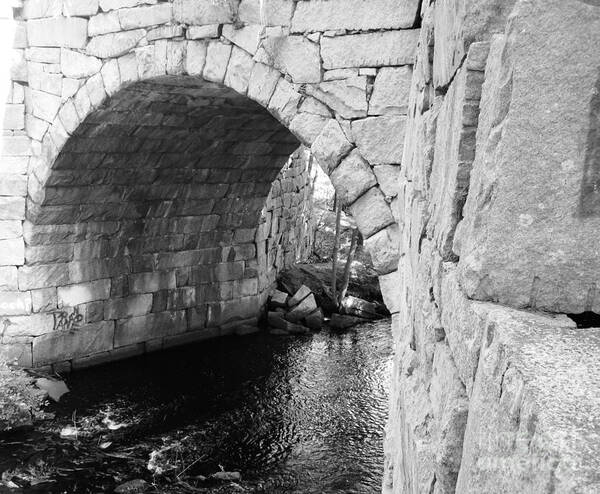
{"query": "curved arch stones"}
pixel 343 95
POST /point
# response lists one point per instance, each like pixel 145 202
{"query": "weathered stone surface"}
pixel 42 8
pixel 8 278
pixel 20 353
pixel 11 252
pixel 331 146
pixel 217 58
pixel 44 105
pixel 239 70
pixel 314 106
pixel 72 295
pixel 266 12
pixel 352 177
pixel 13 184
pixel 31 277
pixel 149 326
pixel 11 208
pixel 107 5
pixel 391 91
pixel 324 15
pixel 151 60
pixel 449 404
pixel 537 384
pixel 527 237
pixel 307 126
pixel 339 74
pixel 453 157
pixel 165 32
pixel 67 32
pixel 15 303
pixel 44 55
pixel 202 12
pixel 299 296
pixel 302 310
pixel 284 101
pixel 370 50
pixel 294 55
pixel 282 327
pixel 378 138
pixel 458 25
pixel 104 24
pixel 151 282
pixel 114 44
pixel 175 57
pixel 315 319
pixel 199 32
pixel 371 212
pixel 383 247
pixel 120 308
pixel 64 345
pixel 111 78
pixel 80 7
pixel 145 16
pixel 195 57
pixel 10 228
pixel 14 117
pixel 278 299
pixel 387 178
pixel 77 65
pixel 390 285
pixel 15 146
pixel 263 80
pixel 30 325
pixel 347 97
pixel 246 37
pixel 44 300
pixel 359 307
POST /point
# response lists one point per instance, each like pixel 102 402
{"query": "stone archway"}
pixel 354 134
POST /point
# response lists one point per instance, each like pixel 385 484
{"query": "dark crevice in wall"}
pixel 586 319
pixel 418 18
pixel 442 90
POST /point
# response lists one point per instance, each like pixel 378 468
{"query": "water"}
pixel 292 414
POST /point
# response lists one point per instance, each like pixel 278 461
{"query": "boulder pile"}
pixel 299 312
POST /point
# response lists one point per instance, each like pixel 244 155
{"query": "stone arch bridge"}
pixel 153 133
pixel 147 194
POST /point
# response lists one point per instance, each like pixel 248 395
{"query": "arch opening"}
pixel 164 219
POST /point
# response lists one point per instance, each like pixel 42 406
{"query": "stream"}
pixel 293 415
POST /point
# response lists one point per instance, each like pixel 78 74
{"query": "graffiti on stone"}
pixel 64 320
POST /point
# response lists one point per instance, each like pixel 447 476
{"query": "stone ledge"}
pixel 533 413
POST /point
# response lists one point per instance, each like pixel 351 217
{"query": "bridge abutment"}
pixel 141 140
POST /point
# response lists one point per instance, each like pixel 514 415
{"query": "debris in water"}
pixel 227 476
pixel 132 486
pixel 111 424
pixel 10 484
pixel 105 445
pixel 70 432
pixel 54 387
pixel 164 459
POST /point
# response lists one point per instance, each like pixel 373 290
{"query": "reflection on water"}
pixel 293 415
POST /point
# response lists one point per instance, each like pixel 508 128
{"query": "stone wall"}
pixel 495 389
pixel 286 228
pixel 141 141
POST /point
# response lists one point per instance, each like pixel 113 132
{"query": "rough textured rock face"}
pixel 142 138
pixel 496 210
pixel 526 178
pixel 145 200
